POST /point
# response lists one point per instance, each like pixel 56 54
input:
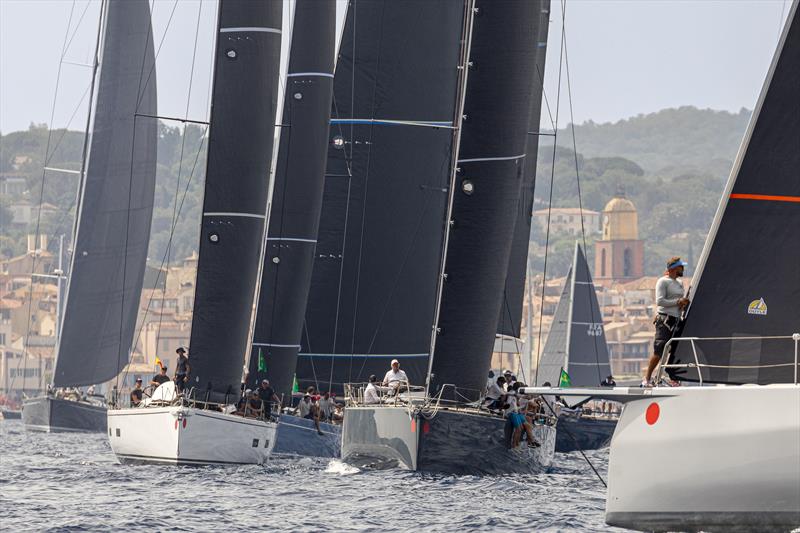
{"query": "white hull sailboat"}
pixel 707 457
pixel 722 451
pixel 200 425
pixel 170 431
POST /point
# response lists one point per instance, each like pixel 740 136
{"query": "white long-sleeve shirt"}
pixel 371 394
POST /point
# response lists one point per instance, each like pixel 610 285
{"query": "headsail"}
pixel 297 196
pixel 491 160
pixel 381 233
pixel 243 109
pixel 510 319
pixel 748 281
pixel 577 341
pixel 113 221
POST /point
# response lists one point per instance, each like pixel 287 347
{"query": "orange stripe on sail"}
pixel 766 197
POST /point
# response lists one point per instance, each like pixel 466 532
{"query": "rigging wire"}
pixel 580 204
pixel 41 197
pixel 550 201
pixel 178 180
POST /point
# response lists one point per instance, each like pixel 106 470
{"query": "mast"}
pixel 113 219
pixel 485 200
pixel 747 282
pixel 297 195
pixel 374 283
pixel 241 137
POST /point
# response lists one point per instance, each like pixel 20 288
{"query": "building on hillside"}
pixel 12 184
pixel 619 253
pixel 567 220
pixel 24 212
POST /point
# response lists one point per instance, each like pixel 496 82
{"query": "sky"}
pixel 626 57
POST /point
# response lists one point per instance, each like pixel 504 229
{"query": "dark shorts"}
pixel 664 332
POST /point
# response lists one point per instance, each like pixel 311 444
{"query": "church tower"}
pixel 619 254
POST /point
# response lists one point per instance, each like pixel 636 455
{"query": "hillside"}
pixel 672 164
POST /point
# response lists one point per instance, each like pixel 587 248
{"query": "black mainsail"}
pixel 748 281
pixel 297 195
pixel 510 320
pixel 243 109
pixel 116 203
pixel 486 197
pixel 374 286
pixel 577 341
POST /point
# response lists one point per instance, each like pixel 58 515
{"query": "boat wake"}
pixel 343 469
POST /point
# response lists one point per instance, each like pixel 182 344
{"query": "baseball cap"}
pixel 395 361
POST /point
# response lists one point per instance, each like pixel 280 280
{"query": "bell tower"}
pixel 619 254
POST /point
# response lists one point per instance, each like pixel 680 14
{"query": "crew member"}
pixel 326 407
pixel 670 302
pixel 608 382
pixel 267 395
pixel 183 369
pixel 371 395
pixel 254 405
pixel 136 393
pixel 395 378
pixel 160 378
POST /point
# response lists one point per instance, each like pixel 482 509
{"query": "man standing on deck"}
pixel 182 370
pixel 268 396
pixel 670 303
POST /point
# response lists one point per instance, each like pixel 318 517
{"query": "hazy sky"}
pixel 626 57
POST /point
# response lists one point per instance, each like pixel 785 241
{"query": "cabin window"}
pixel 255 443
pixel 266 443
pixel 119 433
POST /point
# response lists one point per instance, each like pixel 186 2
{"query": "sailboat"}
pixel 727 456
pixel 201 425
pixel 294 223
pixel 112 228
pixel 577 345
pixel 422 218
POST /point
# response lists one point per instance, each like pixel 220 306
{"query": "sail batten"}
pixel 297 197
pixel 748 283
pixel 244 102
pixel 113 221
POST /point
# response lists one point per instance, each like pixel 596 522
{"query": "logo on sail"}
pixel 595 329
pixel 757 307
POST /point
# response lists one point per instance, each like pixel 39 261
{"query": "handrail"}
pixel 662 365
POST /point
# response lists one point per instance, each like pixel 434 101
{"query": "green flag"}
pixel 295 386
pixel 564 381
pixel 262 363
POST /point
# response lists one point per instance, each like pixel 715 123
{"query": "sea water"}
pixel 60 482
